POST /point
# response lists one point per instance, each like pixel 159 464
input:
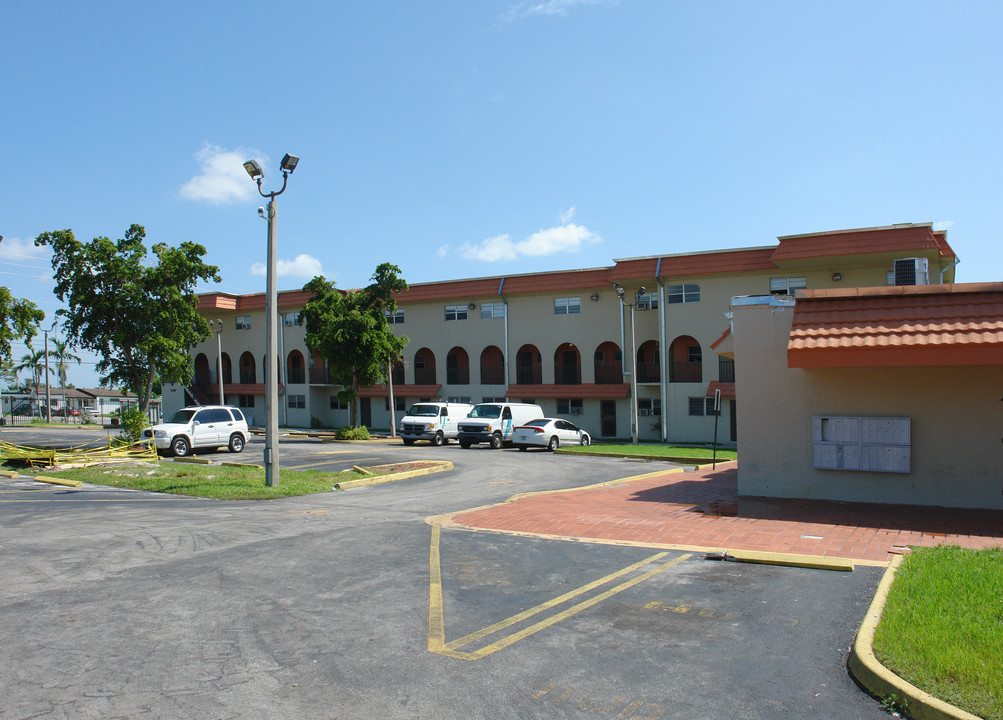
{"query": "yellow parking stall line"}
pixel 436 614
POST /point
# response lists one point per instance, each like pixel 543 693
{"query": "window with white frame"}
pixel 492 310
pixel 567 305
pixel 456 312
pixel 243 322
pixel 337 404
pixel 245 401
pixel 787 285
pixel 677 294
pixel 569 406
pixel 292 318
pixel 649 406
pixel 702 406
pixel 492 400
pixel 394 318
pixel 459 399
pixel 296 402
pixel 647 301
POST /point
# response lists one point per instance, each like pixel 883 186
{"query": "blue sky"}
pixel 463 139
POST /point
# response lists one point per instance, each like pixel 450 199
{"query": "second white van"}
pixel 492 423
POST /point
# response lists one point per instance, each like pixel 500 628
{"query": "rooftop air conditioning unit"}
pixel 912 271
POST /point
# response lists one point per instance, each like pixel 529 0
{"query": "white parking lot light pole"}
pixel 633 360
pixel 217 328
pixel 288 164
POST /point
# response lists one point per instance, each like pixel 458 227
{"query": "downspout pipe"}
pixel 952 265
pixel 505 364
pixel 662 354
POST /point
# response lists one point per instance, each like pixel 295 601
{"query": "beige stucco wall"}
pixel 955 412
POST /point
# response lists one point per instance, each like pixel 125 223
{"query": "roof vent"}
pixel 912 271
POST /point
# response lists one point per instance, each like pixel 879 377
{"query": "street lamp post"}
pixel 48 406
pixel 217 328
pixel 271 458
pixel 633 360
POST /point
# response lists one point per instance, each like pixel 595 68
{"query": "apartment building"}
pixel 589 345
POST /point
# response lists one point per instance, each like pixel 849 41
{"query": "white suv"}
pixel 205 427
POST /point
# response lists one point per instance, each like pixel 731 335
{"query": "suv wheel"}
pixel 180 446
pixel 236 443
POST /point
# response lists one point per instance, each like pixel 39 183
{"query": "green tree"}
pixel 349 329
pixel 19 320
pixel 140 317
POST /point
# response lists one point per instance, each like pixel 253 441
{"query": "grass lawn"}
pixel 942 627
pixel 655 451
pixel 214 481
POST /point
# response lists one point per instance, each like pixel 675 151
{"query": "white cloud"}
pixel 499 247
pixel 564 238
pixel 567 215
pixel 223 178
pixel 303 266
pixel 442 251
pixel 545 8
pixel 23 249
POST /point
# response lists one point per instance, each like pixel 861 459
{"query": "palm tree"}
pixel 34 362
pixel 63 358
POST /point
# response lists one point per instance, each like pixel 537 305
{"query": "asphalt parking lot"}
pixel 352 605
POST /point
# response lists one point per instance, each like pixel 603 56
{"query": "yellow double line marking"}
pixel 436 617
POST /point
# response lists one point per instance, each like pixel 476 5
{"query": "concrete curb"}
pixel 882 682
pixel 441 466
pixel 11 474
pixel 194 460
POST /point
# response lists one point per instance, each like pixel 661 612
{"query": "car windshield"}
pixel 485 411
pixel 424 410
pixel 181 417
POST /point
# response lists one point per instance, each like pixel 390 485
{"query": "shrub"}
pixel 316 423
pixel 353 433
pixel 133 421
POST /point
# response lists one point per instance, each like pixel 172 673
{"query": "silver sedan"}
pixel 549 433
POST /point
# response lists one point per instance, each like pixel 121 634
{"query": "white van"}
pixel 493 423
pixel 433 421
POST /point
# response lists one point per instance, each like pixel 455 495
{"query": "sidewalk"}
pixel 702 510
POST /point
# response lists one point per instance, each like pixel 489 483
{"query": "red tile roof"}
pixel 727 388
pixel 893 239
pixel 402 391
pixel 917 325
pixel 568 391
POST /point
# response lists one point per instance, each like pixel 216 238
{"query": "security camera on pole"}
pixel 271 458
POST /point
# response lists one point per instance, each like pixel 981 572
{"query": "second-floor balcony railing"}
pixel 611 374
pixel 649 372
pixel 567 374
pixel 294 376
pixel 247 377
pixel 424 376
pixel 529 375
pixel 458 376
pixel 397 376
pixel 682 371
pixel 492 374
pixel 320 376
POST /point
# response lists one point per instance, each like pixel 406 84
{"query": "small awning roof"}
pixel 900 326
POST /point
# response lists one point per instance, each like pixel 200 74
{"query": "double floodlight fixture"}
pixel 288 164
